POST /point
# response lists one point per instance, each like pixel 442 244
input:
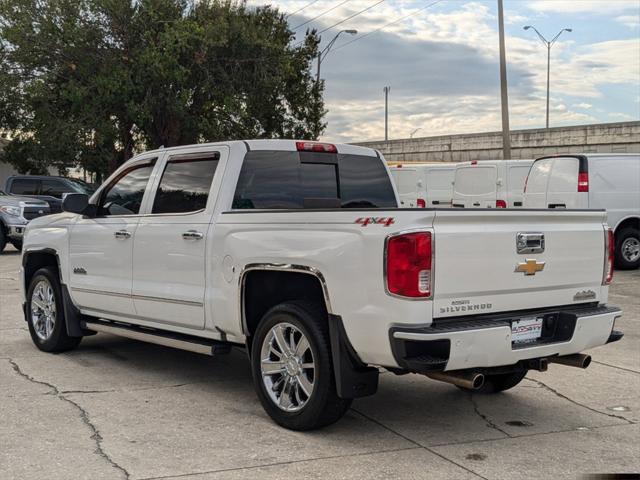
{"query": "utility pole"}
pixel 548 44
pixel 504 95
pixel 386 91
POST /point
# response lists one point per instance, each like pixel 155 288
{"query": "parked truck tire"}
pixel 292 367
pixel 17 244
pixel 499 382
pixel 627 248
pixel 45 313
pixel 3 238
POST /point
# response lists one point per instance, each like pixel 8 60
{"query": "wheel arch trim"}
pixel 278 267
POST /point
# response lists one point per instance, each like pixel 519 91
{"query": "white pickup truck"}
pixel 297 250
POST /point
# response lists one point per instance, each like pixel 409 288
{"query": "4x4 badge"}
pixel 386 221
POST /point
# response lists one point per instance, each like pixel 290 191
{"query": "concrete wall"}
pixel 598 138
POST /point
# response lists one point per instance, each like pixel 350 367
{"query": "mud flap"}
pixel 353 378
pixel 72 316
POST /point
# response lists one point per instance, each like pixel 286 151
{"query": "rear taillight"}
pixel 583 181
pixel 316 147
pixel 421 203
pixel 408 265
pixel 609 249
pixel 501 204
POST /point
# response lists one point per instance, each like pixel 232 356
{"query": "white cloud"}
pixel 584 106
pixel 621 116
pixel 583 6
pixel 631 21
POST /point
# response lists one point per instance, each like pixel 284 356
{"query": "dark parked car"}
pixel 15 213
pixel 49 189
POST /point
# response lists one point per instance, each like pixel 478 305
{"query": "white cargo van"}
pixel 490 183
pixel 424 184
pixel 594 181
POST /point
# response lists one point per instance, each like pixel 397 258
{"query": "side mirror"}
pixel 75 203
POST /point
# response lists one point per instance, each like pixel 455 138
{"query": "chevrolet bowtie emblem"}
pixel 530 267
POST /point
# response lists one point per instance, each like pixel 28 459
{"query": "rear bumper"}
pixel 484 341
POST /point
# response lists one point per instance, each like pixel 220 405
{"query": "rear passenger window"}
pixel 293 180
pixel 185 183
pixel 54 188
pixel 24 186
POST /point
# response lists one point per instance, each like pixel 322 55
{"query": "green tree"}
pixel 89 82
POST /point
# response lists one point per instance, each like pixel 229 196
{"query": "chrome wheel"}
pixel 288 367
pixel 43 309
pixel 630 249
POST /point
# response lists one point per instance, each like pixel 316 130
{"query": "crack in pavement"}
pixel 275 464
pixel 417 444
pixel 615 366
pixel 526 435
pixel 558 394
pixel 84 416
pixel 484 417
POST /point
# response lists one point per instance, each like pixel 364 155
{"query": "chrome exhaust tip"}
pixel 578 360
pixel 461 378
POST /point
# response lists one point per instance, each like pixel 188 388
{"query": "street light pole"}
pixel 325 51
pixel 386 91
pixel 504 96
pixel 548 44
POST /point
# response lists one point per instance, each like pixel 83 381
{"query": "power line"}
pixel 387 25
pixel 351 16
pixel 301 8
pixel 320 15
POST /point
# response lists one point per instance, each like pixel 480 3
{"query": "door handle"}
pixel 192 235
pixel 122 234
pixel 476 204
pixel 557 205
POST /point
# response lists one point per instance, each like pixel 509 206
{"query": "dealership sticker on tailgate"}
pixel 526 330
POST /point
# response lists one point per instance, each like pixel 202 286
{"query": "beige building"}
pixel 598 138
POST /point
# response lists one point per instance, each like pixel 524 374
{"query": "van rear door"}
pixel 439 186
pixel 407 184
pixel 516 175
pixel 535 192
pixel 563 189
pixel 475 186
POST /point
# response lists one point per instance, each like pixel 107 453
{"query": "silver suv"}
pixel 15 213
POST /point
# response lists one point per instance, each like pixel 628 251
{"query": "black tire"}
pixel 58 340
pixel 3 238
pixel 624 238
pixel 17 244
pixel 323 407
pixel 498 382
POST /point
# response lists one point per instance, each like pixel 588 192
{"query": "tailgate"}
pixel 476 260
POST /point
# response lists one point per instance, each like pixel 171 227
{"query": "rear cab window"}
pixel 298 180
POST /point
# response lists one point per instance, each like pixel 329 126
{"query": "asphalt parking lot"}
pixel 115 408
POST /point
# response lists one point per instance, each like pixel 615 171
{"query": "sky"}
pixel 441 63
